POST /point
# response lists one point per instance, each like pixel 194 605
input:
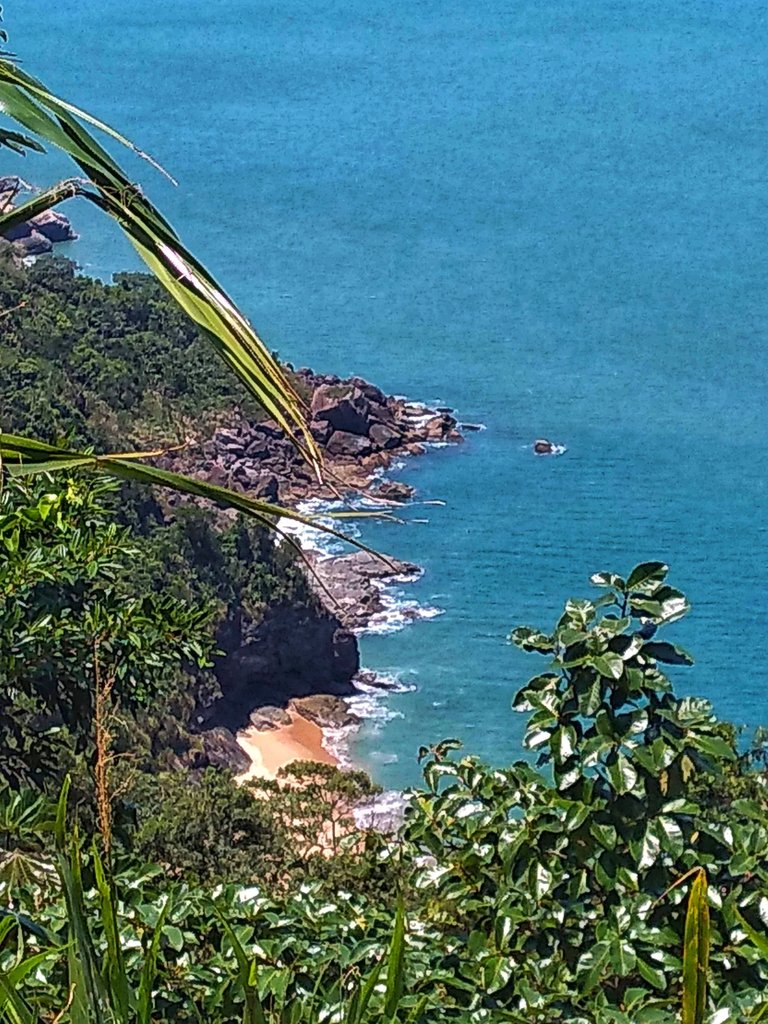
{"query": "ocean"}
pixel 548 215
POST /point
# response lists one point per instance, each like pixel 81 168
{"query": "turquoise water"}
pixel 549 215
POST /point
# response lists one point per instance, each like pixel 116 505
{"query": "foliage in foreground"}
pixel 531 893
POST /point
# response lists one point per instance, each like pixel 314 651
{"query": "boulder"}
pixel 267 488
pixel 374 395
pixel 344 406
pixel 33 244
pixel 394 490
pixel 53 226
pixel 220 749
pixel 326 711
pixel 269 717
pixel 258 446
pixel 437 427
pixel 321 431
pixel 348 445
pixel 384 436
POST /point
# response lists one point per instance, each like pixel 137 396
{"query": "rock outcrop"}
pixel 352 583
pixel 359 429
pixel 39 234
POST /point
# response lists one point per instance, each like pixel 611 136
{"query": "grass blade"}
pixel 254 1011
pixel 114 974
pixel 696 952
pixel 149 970
pixel 396 965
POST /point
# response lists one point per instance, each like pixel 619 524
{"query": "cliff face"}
pixel 292 652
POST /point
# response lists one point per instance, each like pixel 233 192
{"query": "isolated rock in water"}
pixel 436 428
pixel 394 490
pixel 269 717
pixel 543 447
pixel 471 426
pixel 349 445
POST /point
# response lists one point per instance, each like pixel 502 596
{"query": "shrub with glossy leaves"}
pixel 560 877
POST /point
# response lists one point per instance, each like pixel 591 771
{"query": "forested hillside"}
pixel 108 365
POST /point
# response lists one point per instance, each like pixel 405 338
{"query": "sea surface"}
pixel 548 214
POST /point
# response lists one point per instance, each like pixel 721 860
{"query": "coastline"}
pixel 321 694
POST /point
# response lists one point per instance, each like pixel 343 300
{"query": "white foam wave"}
pixel 310 539
pixel 398 612
pixel 384 812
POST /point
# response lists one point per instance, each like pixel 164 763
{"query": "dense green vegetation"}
pixel 103 365
pixel 531 893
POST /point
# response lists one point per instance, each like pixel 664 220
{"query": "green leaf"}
pixel 696 952
pixel 594 962
pixel 604 834
pixel 715 746
pixel 667 653
pixel 647 575
pixel 622 775
pixel 650 848
pixel 622 956
pixel 541 880
pixel 396 966
pixel 563 743
pixel 755 937
pixel 652 975
pixel 144 1007
pixel 609 665
pixel 607 579
pixel 497 970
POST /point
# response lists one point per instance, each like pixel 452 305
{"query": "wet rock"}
pixel 394 490
pixel 384 437
pixel 471 426
pixel 348 445
pixel 437 427
pixel 326 711
pixel 351 581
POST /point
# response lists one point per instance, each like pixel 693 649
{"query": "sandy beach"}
pixel 272 749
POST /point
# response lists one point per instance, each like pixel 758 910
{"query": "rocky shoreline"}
pixel 305 661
